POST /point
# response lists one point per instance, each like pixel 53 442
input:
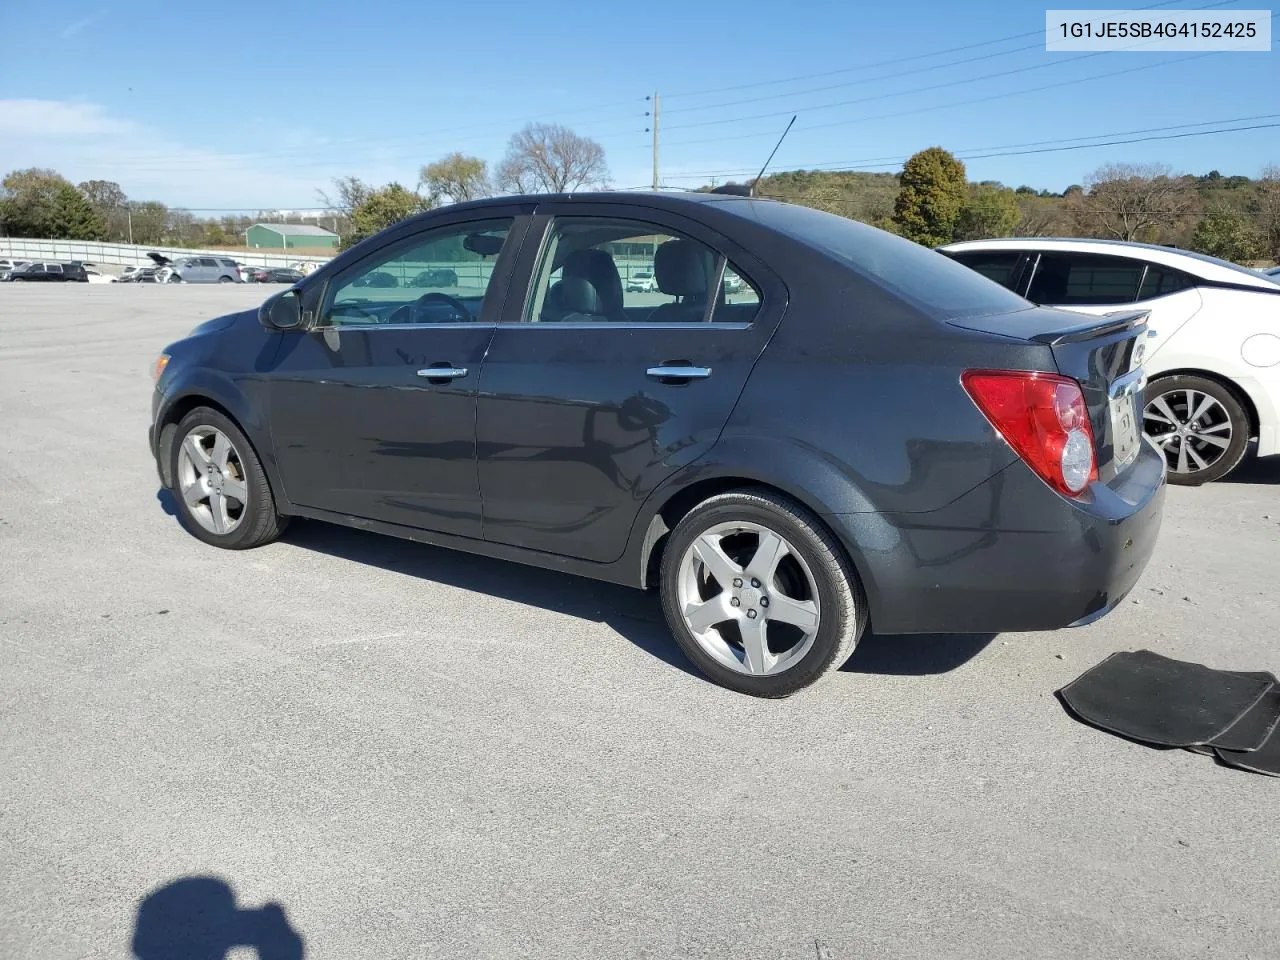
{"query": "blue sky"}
pixel 217 106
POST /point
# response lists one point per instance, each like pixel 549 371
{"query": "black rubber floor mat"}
pixel 1265 760
pixel 1160 701
pixel 1255 727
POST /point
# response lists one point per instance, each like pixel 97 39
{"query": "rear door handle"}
pixel 443 373
pixel 678 372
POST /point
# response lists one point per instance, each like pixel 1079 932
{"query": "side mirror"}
pixel 282 312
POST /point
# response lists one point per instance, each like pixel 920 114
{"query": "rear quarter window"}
pixel 932 281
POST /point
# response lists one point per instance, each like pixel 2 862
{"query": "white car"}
pixel 641 282
pixel 96 276
pixel 1212 355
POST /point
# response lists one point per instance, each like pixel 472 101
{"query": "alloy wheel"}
pixel 211 480
pixel 749 598
pixel 1190 427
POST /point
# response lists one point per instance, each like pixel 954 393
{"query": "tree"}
pixel 72 217
pixel 457 178
pixel 991 211
pixel 1269 210
pixel 1228 234
pixel 1131 201
pixel 383 207
pixel 149 221
pixel 27 201
pixel 931 194
pixel 349 193
pixel 549 158
pixel 106 197
pixel 1041 217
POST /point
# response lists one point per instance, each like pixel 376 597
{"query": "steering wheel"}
pixel 408 312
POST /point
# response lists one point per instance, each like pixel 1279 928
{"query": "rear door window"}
pixel 1085 279
pixel 1159 281
pixel 998 265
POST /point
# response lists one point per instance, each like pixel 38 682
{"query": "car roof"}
pixel 1197 264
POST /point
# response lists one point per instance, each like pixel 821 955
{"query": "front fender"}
pixel 242 397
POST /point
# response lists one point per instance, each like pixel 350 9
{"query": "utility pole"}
pixel 129 214
pixel 657 119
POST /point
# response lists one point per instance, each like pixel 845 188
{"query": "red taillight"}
pixel 1044 418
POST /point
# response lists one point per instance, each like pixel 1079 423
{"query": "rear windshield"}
pixel 930 280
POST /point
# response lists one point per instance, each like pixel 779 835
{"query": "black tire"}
pixel 1229 411
pixel 260 522
pixel 839 592
pixel 225 279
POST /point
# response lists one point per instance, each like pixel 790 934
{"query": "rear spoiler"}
pixel 1091 327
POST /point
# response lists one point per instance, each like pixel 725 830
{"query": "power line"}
pixel 957 103
pixel 898 60
pixel 896 158
pixel 905 73
pixel 871 167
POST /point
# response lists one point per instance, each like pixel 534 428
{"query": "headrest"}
pixel 577 295
pixel 683 268
pixel 597 268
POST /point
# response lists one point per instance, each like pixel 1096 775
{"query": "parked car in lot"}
pixel 641 282
pixel 276 275
pixel 1213 353
pixel 48 271
pixel 439 277
pixel 195 269
pixel 138 275
pixel 7 266
pixel 880 436
pixel 378 278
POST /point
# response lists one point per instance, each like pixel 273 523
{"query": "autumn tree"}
pixel 383 207
pixel 27 200
pixel 932 192
pixel 549 158
pixel 106 197
pixel 1269 210
pixel 1228 234
pixel 150 221
pixel 455 179
pixel 1125 201
pixel 990 211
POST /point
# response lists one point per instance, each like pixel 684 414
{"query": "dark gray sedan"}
pixel 861 433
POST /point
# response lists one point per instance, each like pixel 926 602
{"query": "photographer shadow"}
pixel 196 918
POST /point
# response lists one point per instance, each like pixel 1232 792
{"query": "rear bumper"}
pixel 1010 555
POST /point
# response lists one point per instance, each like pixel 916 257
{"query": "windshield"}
pixel 930 280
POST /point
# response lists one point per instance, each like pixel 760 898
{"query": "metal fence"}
pixel 133 255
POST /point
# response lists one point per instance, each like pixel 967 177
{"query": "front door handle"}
pixel 669 373
pixel 443 373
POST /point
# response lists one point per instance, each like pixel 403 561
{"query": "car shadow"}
pixel 915 655
pixel 634 614
pixel 1260 470
pixel 196 918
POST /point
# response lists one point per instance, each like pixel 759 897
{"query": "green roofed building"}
pixel 290 236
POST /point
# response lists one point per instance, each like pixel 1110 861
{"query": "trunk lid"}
pixel 1105 354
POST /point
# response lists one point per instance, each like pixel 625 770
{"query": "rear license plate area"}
pixel 1124 429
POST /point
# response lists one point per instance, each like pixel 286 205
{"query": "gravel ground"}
pixel 417 753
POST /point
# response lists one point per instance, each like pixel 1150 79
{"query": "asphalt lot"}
pixel 423 754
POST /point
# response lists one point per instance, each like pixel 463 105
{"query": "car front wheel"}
pixel 218 481
pixel 759 594
pixel 1199 425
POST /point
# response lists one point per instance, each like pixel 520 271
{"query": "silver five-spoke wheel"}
pixel 749 598
pixel 1191 427
pixel 211 479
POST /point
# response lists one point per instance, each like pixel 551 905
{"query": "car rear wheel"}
pixel 225 279
pixel 759 594
pixel 218 481
pixel 1200 426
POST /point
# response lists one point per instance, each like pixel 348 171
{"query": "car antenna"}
pixel 770 160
